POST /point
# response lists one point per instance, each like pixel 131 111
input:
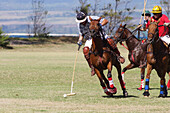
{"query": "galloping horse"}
pixel 157 58
pixel 102 58
pixel 137 50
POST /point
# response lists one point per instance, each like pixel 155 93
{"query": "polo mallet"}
pixel 143 11
pixel 71 93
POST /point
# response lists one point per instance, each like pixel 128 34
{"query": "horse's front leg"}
pixel 112 89
pixel 118 67
pixel 149 69
pixel 163 88
pixel 99 75
pixel 142 78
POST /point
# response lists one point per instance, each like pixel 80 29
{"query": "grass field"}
pixel 33 79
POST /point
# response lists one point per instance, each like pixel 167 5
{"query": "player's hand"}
pixel 166 24
pixel 79 42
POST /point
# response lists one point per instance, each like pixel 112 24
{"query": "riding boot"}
pixel 115 49
pixel 120 58
pixel 87 57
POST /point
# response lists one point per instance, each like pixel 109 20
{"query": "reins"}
pixel 119 39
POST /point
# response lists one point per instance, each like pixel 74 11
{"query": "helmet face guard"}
pixel 81 17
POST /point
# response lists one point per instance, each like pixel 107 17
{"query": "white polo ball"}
pixel 65 95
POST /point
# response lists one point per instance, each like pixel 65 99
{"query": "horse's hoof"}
pixel 146 94
pixel 92 71
pixel 125 93
pixel 108 93
pixel 162 96
pixel 113 91
pixel 140 88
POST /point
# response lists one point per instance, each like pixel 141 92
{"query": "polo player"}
pixel 84 33
pixel 161 19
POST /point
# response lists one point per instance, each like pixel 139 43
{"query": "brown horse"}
pixel 157 58
pixel 102 58
pixel 137 51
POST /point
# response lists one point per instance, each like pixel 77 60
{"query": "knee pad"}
pixel 86 50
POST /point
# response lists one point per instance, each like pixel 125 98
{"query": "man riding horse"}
pixel 164 33
pixel 84 32
pixel 161 19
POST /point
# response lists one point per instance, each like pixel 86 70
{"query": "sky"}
pixel 60 12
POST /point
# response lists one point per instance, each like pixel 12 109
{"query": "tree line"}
pixel 116 11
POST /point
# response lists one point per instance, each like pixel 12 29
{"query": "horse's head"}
pixel 120 34
pixel 152 31
pixel 94 27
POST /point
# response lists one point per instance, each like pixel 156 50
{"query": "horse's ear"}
pixel 121 25
pixel 99 19
pixel 90 18
pixel 124 26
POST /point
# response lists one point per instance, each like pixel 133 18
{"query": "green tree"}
pixel 84 7
pixel 117 12
pixel 4 40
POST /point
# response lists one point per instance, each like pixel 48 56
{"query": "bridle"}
pixel 120 34
pixel 97 33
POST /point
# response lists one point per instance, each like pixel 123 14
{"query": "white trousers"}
pixel 88 43
pixel 165 38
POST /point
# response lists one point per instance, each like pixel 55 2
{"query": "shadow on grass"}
pixel 120 96
pixel 159 97
pixel 149 89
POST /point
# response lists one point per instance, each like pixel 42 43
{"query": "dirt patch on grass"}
pixel 26 105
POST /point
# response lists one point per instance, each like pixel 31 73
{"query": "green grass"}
pixel 33 78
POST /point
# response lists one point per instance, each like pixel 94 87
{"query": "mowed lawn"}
pixel 33 78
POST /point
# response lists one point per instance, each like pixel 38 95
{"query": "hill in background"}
pixel 14 14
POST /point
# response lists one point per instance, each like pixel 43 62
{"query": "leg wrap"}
pixel 86 55
pixel 106 90
pixel 162 89
pixel 111 82
pixel 86 52
pixel 147 84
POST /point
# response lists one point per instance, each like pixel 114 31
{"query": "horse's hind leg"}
pixel 142 79
pixel 100 76
pixel 118 67
pixel 163 88
pixel 130 66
